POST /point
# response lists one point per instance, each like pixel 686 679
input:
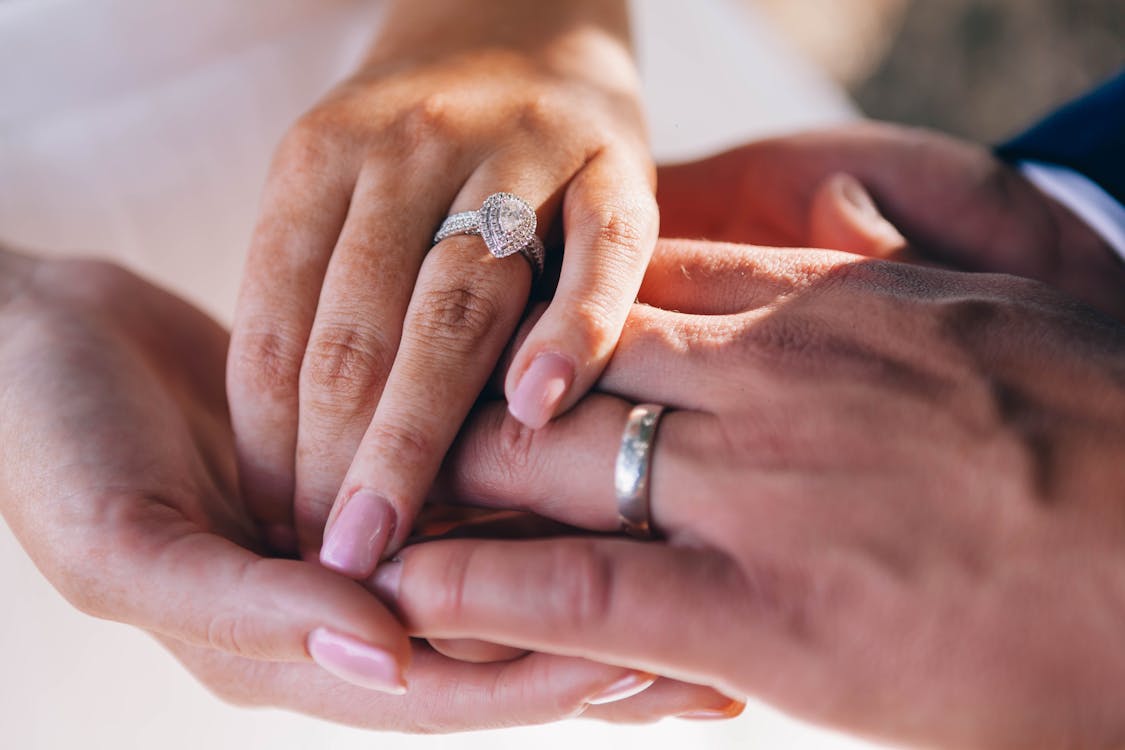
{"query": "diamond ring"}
pixel 506 223
pixel 633 469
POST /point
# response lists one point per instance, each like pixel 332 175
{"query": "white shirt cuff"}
pixel 1083 196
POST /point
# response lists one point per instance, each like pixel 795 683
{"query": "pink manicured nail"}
pixel 386 581
pixel 733 709
pixel 541 389
pixel 626 687
pixel 356 662
pixel 357 538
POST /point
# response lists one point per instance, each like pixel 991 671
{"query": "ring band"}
pixel 633 469
pixel 507 224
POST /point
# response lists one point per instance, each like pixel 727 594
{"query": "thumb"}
pixel 205 590
pixel 843 216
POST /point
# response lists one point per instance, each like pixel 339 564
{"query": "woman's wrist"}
pixel 442 28
pixel 16 269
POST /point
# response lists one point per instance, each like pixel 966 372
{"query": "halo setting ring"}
pixel 507 225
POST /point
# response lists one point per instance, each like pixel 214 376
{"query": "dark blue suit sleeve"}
pixel 1087 135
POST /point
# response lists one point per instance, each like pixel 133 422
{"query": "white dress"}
pixel 141 130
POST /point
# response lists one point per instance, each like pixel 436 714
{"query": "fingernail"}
pixel 626 687
pixel 855 194
pixel 866 211
pixel 541 389
pixel 733 709
pixel 356 662
pixel 386 581
pixel 357 538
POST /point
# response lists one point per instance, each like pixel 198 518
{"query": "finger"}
pixel 204 590
pixel 565 470
pixel 585 597
pixel 684 361
pixel 477 652
pixel 844 217
pixel 668 698
pixel 303 209
pixel 445 695
pixel 698 277
pixel 464 308
pixel 765 193
pixel 928 185
pixel 358 324
pixel 611 225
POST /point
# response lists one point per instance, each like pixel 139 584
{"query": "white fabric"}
pixel 141 130
pixel 1084 197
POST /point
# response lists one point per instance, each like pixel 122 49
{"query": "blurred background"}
pixel 981 69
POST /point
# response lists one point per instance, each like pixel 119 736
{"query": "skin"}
pixel 956 205
pixel 357 351
pixel 945 201
pixel 890 498
pixel 119 480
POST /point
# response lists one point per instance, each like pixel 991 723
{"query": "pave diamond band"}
pixel 506 223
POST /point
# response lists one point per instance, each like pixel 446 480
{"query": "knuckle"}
pixel 541 114
pixel 788 600
pixel 514 446
pixel 967 318
pixel 265 360
pixel 403 445
pixel 311 146
pixel 596 322
pixel 788 341
pixel 582 583
pixel 430 119
pixel 457 318
pixel 618 229
pixel 579 580
pixel 225 633
pixel 506 460
pixel 347 363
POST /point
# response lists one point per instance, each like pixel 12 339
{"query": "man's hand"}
pixel 893 500
pixel 118 478
pixel 954 202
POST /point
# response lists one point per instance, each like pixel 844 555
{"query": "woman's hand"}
pixel 891 496
pixel 118 478
pixel 357 350
pixel 944 200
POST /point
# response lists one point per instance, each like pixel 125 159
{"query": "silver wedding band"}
pixel 634 468
pixel 507 224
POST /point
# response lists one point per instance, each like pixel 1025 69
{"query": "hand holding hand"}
pixel 891 498
pixel 119 480
pixel 943 199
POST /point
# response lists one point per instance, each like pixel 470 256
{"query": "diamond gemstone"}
pixel 512 216
pixel 507 224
